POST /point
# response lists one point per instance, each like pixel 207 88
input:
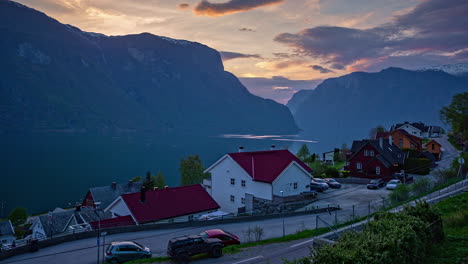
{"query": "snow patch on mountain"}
pixel 459 69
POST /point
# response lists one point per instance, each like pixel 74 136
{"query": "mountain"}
pixel 346 108
pixel 56 77
pixel 459 69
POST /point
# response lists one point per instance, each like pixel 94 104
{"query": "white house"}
pixel 178 204
pixel 7 233
pixel 329 157
pixel 263 174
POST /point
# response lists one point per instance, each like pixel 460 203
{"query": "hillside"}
pixel 56 77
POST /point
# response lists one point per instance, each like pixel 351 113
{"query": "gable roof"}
pixel 389 154
pixel 6 228
pixel 56 223
pixel 266 166
pixel 107 194
pixel 169 203
pixel 412 138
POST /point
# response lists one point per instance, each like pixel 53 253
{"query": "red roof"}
pixel 169 203
pixel 266 166
pixel 113 222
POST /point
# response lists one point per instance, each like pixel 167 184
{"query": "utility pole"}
pixel 282 210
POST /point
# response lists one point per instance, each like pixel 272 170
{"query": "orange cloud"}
pixel 205 8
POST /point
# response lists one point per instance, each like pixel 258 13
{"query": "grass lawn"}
pixel 454 249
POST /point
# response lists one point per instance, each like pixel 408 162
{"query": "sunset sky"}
pixel 277 47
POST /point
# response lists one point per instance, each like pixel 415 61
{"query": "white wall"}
pixel 411 130
pixel 37 230
pixel 222 189
pixel 285 182
pixel 118 209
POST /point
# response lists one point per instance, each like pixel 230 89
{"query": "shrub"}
pixel 18 216
pixel 421 186
pixel 332 172
pixel 443 176
pixel 345 173
pixel 400 194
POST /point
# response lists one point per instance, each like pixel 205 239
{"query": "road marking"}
pixel 245 260
pixel 305 242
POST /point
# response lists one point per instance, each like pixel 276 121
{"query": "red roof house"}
pixel 164 205
pixel 263 174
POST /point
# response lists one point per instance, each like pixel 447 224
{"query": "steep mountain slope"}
pixel 57 77
pixel 345 108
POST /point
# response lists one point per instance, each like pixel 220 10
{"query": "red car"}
pixel 227 238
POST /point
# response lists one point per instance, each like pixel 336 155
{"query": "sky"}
pixel 278 47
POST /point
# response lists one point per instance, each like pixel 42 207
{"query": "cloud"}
pixel 226 55
pixel 183 6
pixel 244 29
pixel 433 28
pixel 207 8
pixel 320 69
pixel 277 88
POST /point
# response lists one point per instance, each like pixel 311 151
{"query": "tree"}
pixel 136 179
pixel 18 216
pixel 373 131
pixel 159 182
pixel 191 170
pixel 303 152
pixel 150 181
pixel 456 114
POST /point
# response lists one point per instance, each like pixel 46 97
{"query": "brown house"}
pixel 403 139
pixel 435 148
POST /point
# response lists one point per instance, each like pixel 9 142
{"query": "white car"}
pixel 391 185
pixel 321 182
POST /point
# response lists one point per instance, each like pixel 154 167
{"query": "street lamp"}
pixel 282 207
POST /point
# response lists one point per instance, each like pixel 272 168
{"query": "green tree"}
pixel 18 216
pixel 150 181
pixel 136 179
pixel 303 152
pixel 456 114
pixel 191 170
pixel 159 182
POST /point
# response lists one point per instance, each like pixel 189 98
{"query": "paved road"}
pixel 84 251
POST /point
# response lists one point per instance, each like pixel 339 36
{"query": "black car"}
pixel 332 183
pixel 376 184
pixel 315 186
pixel 182 248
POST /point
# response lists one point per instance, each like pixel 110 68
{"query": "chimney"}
pixel 78 207
pixel 390 140
pixel 241 149
pixel 114 186
pixel 272 147
pixel 381 142
pixel 143 194
pixel 130 183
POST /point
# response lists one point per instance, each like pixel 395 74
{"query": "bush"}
pixel 18 216
pixel 332 172
pixel 345 173
pixel 400 194
pixel 421 186
pixel 418 166
pixel 443 176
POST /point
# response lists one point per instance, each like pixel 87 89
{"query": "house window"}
pixel 371 153
pixel 359 165
pixel 243 183
pixel 433 146
pixel 190 218
pixel 365 153
pixel 412 145
pixel 401 143
pixel 233 198
pixel 243 200
pixel 377 170
pixel 295 186
pixel 233 181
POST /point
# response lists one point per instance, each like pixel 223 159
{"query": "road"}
pixel 84 251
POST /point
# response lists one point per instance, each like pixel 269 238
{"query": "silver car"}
pixel 391 185
pixel 119 252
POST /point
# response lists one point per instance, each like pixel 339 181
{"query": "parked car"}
pixel 225 236
pixel 332 183
pixel 119 252
pixel 376 184
pixel 310 194
pixel 182 248
pixel 315 186
pixel 391 185
pixel 321 181
pixel 403 177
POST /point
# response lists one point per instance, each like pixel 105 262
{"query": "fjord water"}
pixel 42 171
